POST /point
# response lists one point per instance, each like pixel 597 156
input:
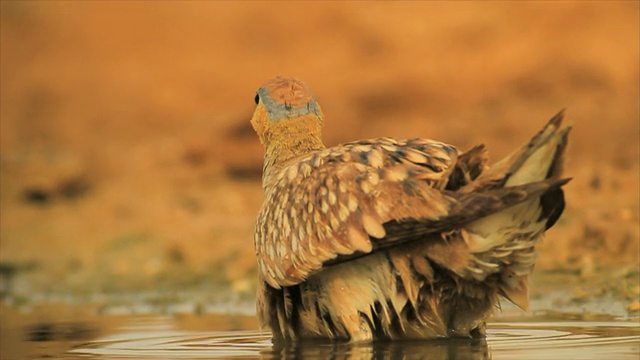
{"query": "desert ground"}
pixel 128 162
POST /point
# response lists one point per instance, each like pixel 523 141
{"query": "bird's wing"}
pixel 335 202
pixel 350 200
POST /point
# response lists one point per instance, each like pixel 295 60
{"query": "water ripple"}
pixel 525 340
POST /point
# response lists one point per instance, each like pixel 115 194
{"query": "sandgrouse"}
pixel 393 238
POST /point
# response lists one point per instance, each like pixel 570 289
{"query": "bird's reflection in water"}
pixel 442 349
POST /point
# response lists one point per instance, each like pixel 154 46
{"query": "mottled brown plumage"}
pixel 393 238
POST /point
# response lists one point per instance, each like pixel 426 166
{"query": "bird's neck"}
pixel 287 140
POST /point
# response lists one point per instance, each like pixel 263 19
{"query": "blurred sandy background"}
pixel 128 162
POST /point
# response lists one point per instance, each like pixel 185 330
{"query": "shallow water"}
pixel 85 334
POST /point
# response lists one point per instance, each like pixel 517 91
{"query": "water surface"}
pixel 83 334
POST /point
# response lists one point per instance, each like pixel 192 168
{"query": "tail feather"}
pixel 516 230
pixel 540 159
pixel 552 203
pixel 542 154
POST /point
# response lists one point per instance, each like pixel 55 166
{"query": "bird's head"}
pixel 287 117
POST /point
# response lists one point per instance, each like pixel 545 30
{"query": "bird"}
pixel 392 238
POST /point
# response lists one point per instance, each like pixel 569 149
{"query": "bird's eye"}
pixel 257 99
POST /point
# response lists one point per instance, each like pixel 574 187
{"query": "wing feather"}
pixel 336 202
